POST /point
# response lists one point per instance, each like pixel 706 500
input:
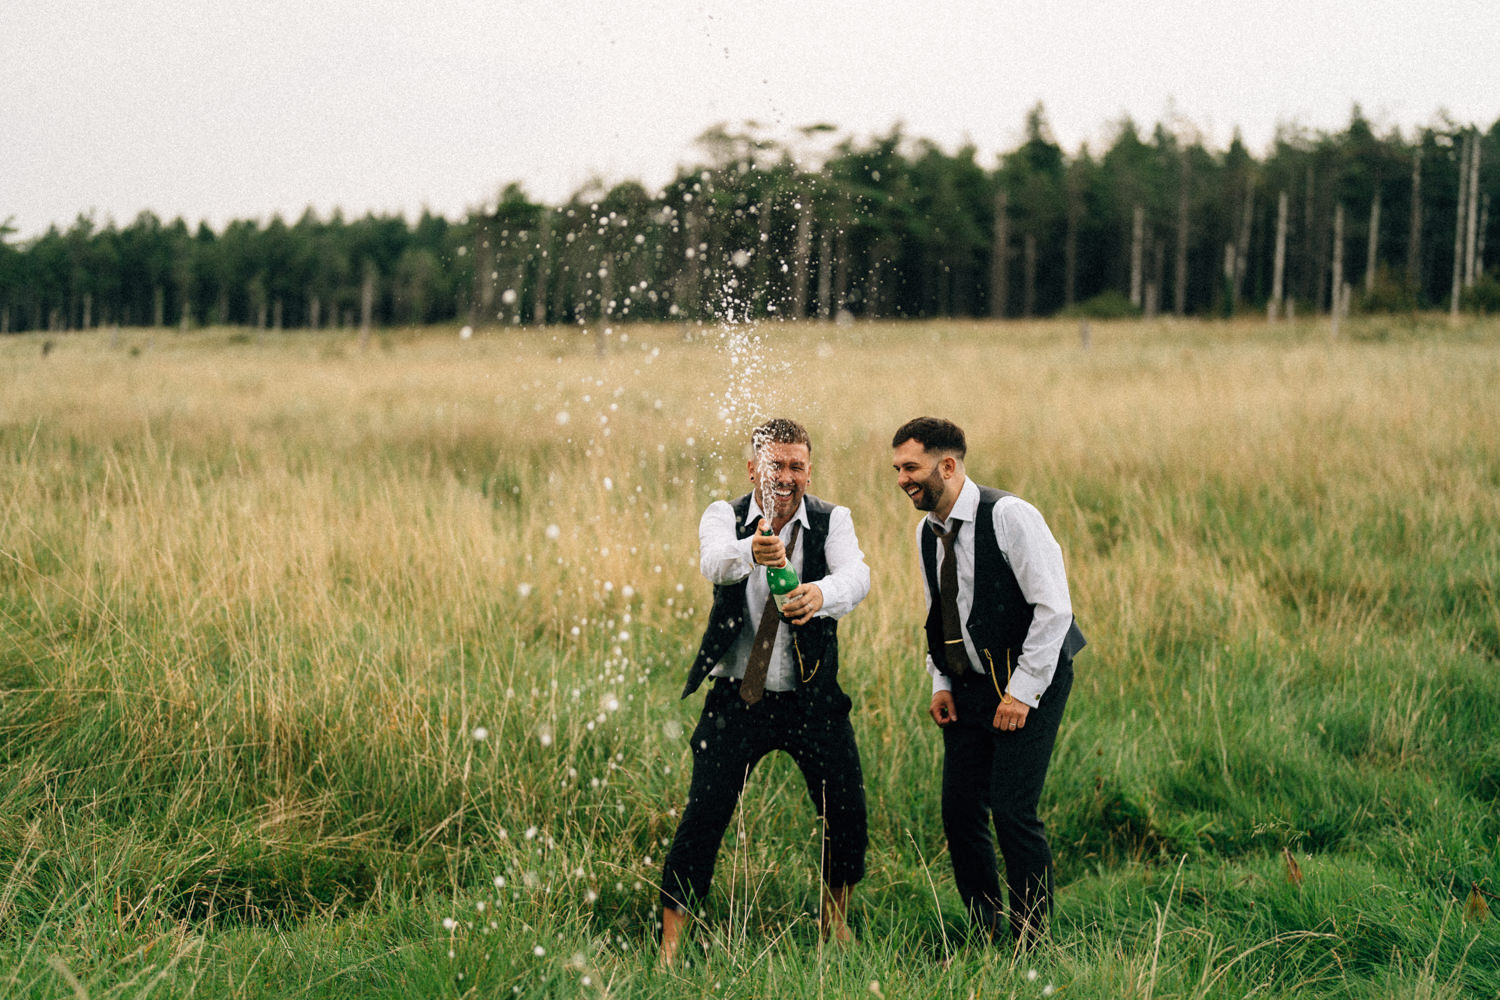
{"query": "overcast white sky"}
pixel 225 109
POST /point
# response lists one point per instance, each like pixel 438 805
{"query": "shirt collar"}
pixel 964 508
pixel 754 513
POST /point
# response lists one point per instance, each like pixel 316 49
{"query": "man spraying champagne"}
pixel 775 677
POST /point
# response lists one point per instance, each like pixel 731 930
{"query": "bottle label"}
pixel 781 600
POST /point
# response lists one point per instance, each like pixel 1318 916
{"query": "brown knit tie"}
pixel 953 636
pixel 754 684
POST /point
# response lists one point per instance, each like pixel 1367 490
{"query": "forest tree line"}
pixel 828 226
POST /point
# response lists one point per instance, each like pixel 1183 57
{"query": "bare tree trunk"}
pixel 314 311
pixel 606 274
pixel 1312 275
pixel 184 275
pixel 758 298
pixel 1458 236
pixel 825 274
pixel 562 289
pixel 1070 249
pixel 1231 267
pixel 158 307
pixel 543 270
pixel 88 310
pixel 1028 263
pixel 840 273
pixel 1278 270
pixel 1469 251
pixel 1153 284
pixel 1242 246
pixel 367 303
pixel 276 315
pixel 1000 257
pixel 484 274
pixel 1374 243
pixel 1484 225
pixel 689 278
pixel 872 287
pixel 802 258
pixel 513 293
pixel 1338 266
pixel 1414 235
pixel 1137 253
pixel 1179 302
pixel 584 272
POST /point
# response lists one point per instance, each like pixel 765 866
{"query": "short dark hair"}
pixel 779 430
pixel 933 434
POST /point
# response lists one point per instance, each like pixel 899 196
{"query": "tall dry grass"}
pixel 261 597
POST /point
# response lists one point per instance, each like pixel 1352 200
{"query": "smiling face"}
pixel 929 479
pixel 780 473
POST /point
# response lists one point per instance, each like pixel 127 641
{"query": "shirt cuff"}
pixel 1026 688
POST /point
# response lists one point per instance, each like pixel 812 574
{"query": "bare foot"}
pixel 672 923
pixel 834 918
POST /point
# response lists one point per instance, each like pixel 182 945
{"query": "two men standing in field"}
pixel 1000 644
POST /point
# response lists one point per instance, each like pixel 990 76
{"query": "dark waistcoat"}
pixel 815 646
pixel 1000 616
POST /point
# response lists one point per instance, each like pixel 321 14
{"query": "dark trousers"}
pixel 990 775
pixel 731 738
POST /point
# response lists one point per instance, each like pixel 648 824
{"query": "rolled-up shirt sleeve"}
pixel 848 579
pixel 1036 560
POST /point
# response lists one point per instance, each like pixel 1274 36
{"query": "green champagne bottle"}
pixel 781 579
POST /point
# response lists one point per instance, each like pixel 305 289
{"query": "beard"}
pixel 930 492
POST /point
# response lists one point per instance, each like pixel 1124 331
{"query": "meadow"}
pixel 332 671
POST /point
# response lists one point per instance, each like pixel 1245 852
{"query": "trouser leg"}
pixel 725 750
pixel 1020 769
pixel 967 752
pixel 825 751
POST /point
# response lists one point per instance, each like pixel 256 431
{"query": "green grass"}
pixel 258 595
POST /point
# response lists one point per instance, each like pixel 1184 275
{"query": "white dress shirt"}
pixel 1036 559
pixel 725 559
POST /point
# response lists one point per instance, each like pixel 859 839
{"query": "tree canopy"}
pixel 890 226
